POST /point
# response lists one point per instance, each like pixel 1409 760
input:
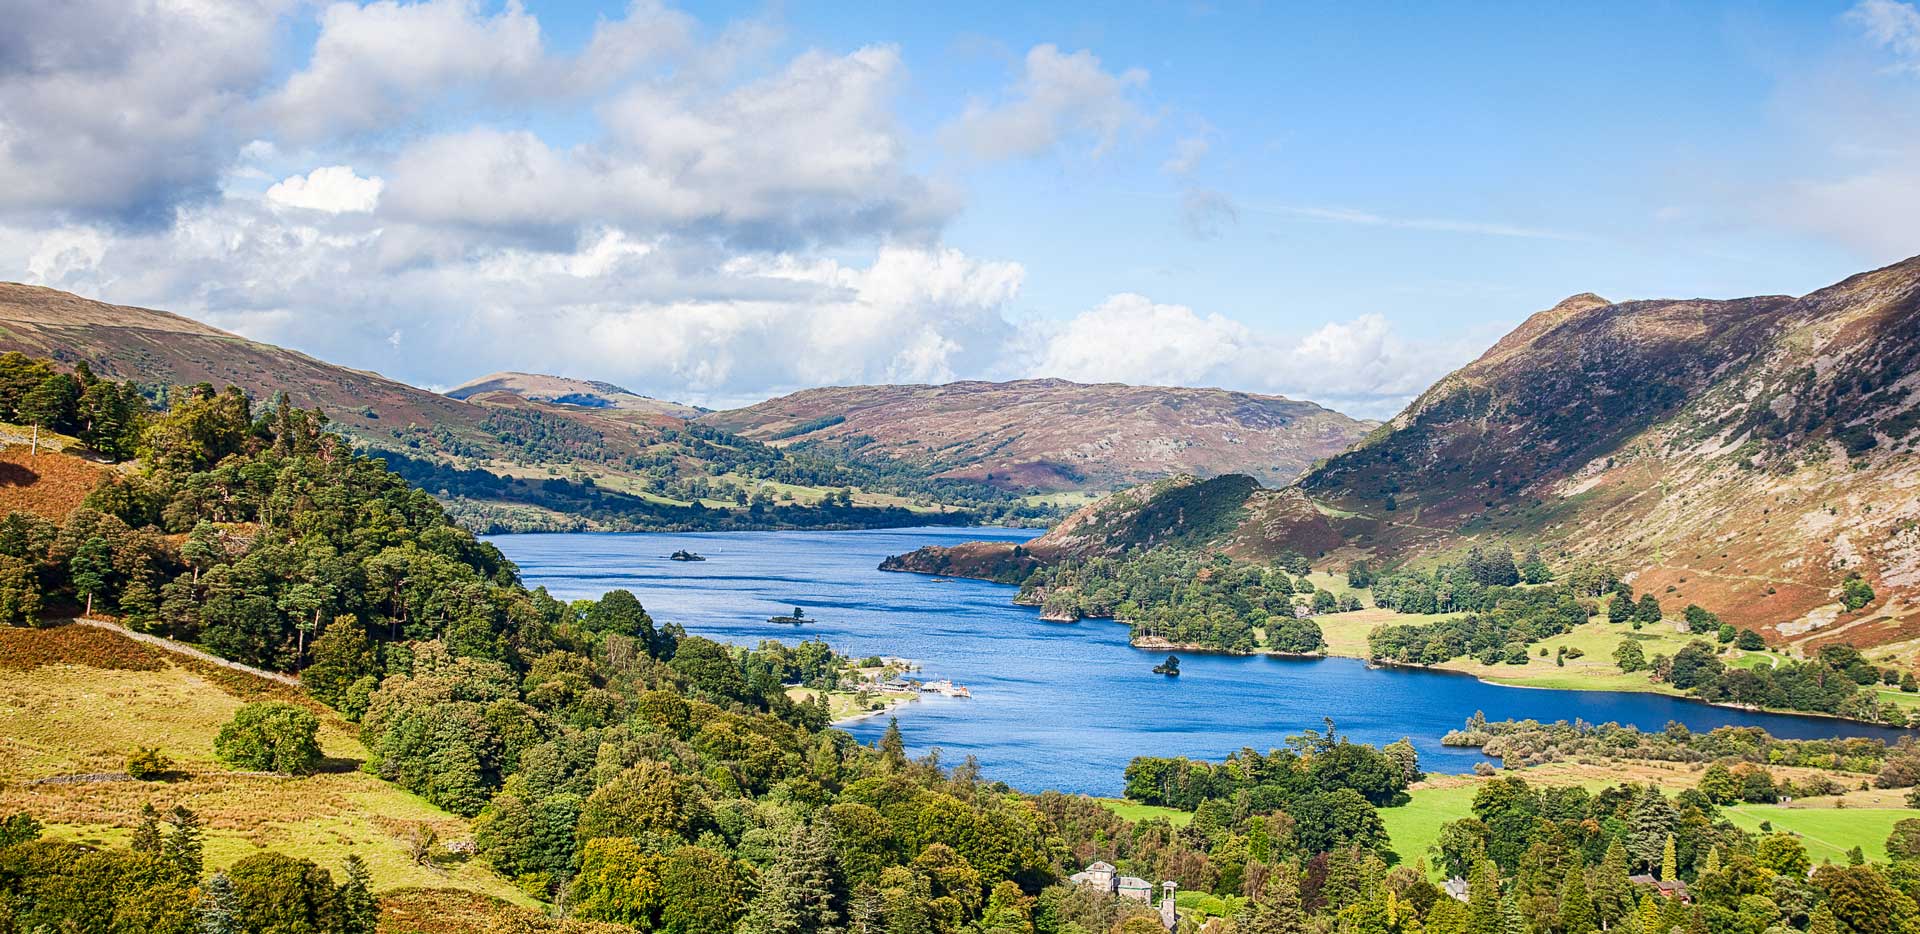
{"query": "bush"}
pixel 147 764
pixel 271 737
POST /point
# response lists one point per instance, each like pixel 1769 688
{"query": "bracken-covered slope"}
pixel 161 348
pixel 1746 455
pixel 1052 434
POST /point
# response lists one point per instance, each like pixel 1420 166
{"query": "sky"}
pixel 719 203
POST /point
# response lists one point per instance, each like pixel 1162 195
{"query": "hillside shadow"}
pixel 338 765
pixel 12 474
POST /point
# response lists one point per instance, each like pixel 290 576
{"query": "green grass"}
pixel 1414 827
pixel 1139 812
pixel 1827 833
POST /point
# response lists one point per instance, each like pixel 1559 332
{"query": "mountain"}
pixel 1748 455
pixel 1052 434
pixel 579 393
pixel 159 348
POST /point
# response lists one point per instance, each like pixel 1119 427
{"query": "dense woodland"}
pixel 1191 597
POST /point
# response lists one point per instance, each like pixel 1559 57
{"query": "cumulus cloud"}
pixel 375 62
pixel 1058 96
pixel 1360 366
pixel 111 111
pixel 333 189
pixel 809 154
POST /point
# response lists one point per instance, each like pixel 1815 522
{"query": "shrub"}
pixel 148 764
pixel 271 737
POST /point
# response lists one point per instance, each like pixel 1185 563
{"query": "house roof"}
pixel 1101 866
pixel 1134 882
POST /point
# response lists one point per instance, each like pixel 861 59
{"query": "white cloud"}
pixel 809 154
pixel 333 189
pixel 1892 25
pixel 376 62
pixel 1057 96
pixel 1358 366
pixel 121 111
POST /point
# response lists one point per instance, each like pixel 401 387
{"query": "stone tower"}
pixel 1168 917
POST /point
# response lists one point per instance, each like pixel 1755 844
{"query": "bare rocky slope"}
pixel 1052 434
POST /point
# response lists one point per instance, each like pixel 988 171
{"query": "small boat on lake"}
pixel 685 555
pixel 799 616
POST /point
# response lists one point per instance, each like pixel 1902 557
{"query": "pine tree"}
pixel 359 911
pixel 1650 916
pixel 1669 862
pixel 183 848
pixel 1650 821
pixel 801 893
pixel 1483 900
pixel 1713 859
pixel 218 907
pixel 146 836
pixel 1612 892
pixel 1576 911
pixel 893 746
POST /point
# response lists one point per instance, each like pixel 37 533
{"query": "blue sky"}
pixel 719 202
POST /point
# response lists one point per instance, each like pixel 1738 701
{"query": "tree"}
pixel 19 592
pixel 1576 911
pixel 1669 861
pixel 89 568
pixel 1749 641
pixel 183 849
pixel 271 736
pixel 219 907
pixel 1648 610
pixel 1620 608
pixel 1782 855
pixel 278 894
pixel 1904 841
pixel 893 746
pixel 1719 785
pixel 801 893
pixel 1277 909
pixel 1629 656
pixel 359 910
pixel 618 881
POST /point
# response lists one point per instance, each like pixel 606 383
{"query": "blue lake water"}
pixel 1061 706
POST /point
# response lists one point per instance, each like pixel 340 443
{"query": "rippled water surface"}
pixel 1054 705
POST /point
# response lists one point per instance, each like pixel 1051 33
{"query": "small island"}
pixel 799 616
pixel 685 555
pixel 1170 667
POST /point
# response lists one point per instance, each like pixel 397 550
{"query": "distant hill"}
pixel 159 348
pixel 512 457
pixel 1232 513
pixel 1052 434
pixel 1748 455
pixel 580 393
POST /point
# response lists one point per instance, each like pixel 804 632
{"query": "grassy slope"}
pixel 1138 812
pixel 1415 827
pixel 74 702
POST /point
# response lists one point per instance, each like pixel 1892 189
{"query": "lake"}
pixel 1054 705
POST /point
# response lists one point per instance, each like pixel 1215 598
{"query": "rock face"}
pixel 1051 434
pixel 1746 455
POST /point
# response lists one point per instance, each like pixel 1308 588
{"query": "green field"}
pixel 1827 833
pixel 1415 827
pixel 1140 812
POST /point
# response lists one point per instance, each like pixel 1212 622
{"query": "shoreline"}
pixel 1161 645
